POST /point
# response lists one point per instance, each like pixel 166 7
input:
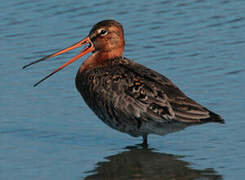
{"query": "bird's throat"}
pixel 98 58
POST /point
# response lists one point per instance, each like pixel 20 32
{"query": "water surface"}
pixel 48 132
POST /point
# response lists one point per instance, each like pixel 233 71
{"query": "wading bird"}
pixel 128 96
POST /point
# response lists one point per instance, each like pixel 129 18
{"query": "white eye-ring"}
pixel 103 32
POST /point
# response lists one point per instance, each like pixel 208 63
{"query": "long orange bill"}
pixel 86 50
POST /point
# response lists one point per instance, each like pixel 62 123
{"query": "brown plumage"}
pixel 126 95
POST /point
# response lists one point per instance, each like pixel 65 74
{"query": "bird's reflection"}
pixel 143 164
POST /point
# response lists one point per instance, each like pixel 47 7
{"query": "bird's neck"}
pixel 99 57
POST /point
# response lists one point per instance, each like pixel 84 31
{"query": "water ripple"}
pixel 49 133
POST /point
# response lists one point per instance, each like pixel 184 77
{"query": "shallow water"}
pixel 48 132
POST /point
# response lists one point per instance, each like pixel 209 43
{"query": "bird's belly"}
pixel 139 128
pixel 121 124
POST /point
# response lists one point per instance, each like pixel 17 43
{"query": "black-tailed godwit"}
pixel 128 96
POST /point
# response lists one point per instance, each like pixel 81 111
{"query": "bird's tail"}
pixel 213 117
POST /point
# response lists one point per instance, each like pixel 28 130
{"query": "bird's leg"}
pixel 145 144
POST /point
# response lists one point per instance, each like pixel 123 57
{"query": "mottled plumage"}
pixel 134 99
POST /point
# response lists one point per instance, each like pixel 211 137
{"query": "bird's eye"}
pixel 103 32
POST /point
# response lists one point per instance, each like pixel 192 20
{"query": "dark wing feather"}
pixel 160 99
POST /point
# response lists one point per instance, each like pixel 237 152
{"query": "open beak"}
pixel 86 50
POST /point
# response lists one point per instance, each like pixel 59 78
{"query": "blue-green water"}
pixel 48 132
